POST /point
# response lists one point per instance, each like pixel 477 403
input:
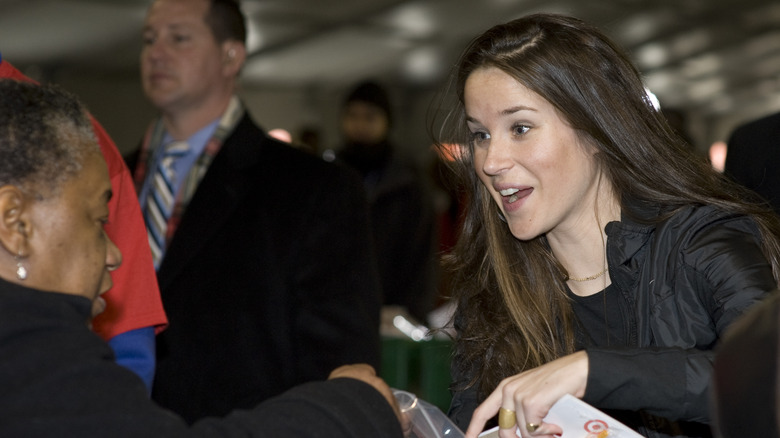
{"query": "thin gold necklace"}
pixel 592 277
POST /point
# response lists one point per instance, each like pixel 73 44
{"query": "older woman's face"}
pixel 542 178
pixel 70 251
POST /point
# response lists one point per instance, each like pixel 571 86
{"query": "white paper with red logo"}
pixel 580 420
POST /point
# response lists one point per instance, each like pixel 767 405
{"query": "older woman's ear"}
pixel 15 225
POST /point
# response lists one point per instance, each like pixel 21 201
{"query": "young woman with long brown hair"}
pixel 599 256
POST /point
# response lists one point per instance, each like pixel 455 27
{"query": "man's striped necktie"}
pixel 161 199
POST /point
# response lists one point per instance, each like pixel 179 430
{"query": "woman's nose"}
pixel 497 158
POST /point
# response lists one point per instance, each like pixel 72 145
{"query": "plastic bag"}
pixel 427 421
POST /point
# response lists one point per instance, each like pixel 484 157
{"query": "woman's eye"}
pixel 180 38
pixel 479 136
pixel 520 129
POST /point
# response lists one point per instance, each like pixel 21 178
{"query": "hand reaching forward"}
pixel 530 395
pixel 366 373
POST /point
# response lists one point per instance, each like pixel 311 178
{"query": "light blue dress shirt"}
pixel 181 166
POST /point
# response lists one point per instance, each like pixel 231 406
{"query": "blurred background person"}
pixel 746 371
pixel 402 214
pixel 264 261
pixel 134 311
pixel 309 138
pixel 753 157
pixel 717 155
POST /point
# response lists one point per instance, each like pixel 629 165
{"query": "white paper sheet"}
pixel 579 420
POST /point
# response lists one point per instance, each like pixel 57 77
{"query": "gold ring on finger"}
pixel 506 418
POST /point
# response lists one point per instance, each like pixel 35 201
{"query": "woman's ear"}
pixel 15 225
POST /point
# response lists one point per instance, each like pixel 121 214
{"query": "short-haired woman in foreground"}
pixel 59 378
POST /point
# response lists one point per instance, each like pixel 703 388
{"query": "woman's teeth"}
pixel 510 193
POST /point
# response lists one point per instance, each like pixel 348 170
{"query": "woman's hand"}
pixel 531 394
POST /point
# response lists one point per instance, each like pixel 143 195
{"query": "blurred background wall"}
pixel 715 62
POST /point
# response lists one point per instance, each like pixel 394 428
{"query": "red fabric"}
pixel 134 301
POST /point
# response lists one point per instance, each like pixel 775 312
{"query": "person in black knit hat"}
pixel 401 208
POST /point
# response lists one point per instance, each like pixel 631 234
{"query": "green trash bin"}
pixel 435 372
pixel 398 356
pixel 420 367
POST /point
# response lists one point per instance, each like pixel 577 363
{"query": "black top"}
pixel 682 280
pixel 600 318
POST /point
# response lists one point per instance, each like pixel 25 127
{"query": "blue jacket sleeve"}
pixel 135 350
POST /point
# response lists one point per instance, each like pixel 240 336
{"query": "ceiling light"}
pixel 652 55
pixel 423 64
pixel 412 21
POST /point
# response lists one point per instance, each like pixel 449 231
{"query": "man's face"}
pixel 362 122
pixel 182 65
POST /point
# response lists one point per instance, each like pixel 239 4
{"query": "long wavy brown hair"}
pixel 513 313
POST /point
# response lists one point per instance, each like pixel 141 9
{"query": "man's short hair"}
pixel 227 21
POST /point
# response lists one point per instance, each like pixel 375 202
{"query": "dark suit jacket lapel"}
pixel 220 191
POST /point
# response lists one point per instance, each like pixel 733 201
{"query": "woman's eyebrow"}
pixel 515 109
